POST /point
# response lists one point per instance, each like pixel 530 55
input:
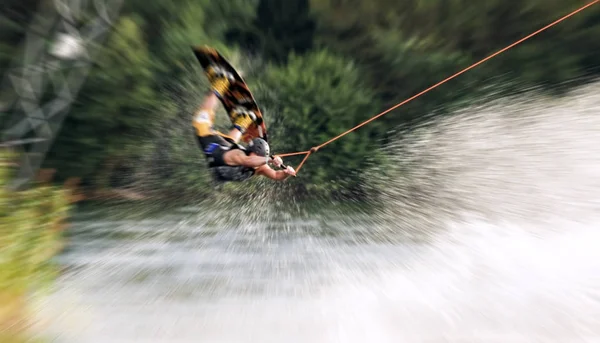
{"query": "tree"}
pixel 313 98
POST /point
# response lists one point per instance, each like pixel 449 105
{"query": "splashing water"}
pixel 511 194
pixel 486 230
pixel 529 158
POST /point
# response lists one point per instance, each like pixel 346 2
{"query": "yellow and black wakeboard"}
pixel 235 97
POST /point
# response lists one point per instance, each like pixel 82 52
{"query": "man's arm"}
pixel 277 175
pixel 239 158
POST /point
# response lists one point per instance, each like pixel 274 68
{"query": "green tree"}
pixel 410 45
pixel 315 97
pixel 139 99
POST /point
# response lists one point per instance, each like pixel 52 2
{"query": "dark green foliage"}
pixel 317 68
pixel 470 29
pixel 316 97
pixel 14 19
pixel 280 28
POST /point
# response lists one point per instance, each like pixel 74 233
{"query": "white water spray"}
pixel 510 193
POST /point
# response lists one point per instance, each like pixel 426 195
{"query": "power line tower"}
pixel 39 88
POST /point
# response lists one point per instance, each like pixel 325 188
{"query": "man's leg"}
pixel 204 116
pixel 241 123
pixel 236 135
pixel 204 119
pixel 208 139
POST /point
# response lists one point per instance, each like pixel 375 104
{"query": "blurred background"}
pixel 468 215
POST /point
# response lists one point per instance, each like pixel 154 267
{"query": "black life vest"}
pixel 225 173
pixel 232 173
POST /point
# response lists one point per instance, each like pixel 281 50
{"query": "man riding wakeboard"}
pixel 228 160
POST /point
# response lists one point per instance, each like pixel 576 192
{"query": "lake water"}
pixel 491 235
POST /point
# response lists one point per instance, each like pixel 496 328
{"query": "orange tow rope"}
pixel 315 149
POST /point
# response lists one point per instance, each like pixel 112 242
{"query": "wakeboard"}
pixel 236 96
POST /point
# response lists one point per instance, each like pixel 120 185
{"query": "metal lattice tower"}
pixel 39 88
